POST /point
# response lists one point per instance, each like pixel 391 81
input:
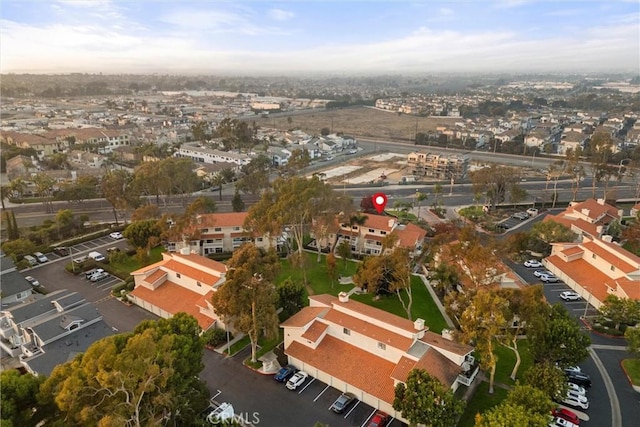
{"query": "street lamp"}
pixel 586 307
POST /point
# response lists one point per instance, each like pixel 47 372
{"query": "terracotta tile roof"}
pixel 630 287
pixel 315 331
pixel 572 223
pixel 610 257
pixel 203 261
pixel 584 274
pixel 202 302
pixel 595 209
pixel 379 222
pixel 363 310
pixel 574 250
pixel 150 267
pixel 240 234
pixel 363 370
pixel 304 316
pixel 373 237
pixel 402 369
pixel 325 299
pixel 227 219
pixel 156 275
pixel 213 235
pixel 173 299
pixel 410 235
pixel 368 329
pixel 439 367
pixel 436 340
pixel 191 272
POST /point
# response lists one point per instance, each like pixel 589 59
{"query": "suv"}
pixel 520 215
pixel 342 402
pixel 99 276
pixel 549 278
pixel 42 258
pixel 31 260
pixel 579 378
pixel 285 373
pixel 61 251
pixel 91 272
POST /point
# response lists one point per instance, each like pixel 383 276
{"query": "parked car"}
pixel 574 368
pixel 285 373
pixel 561 422
pixel 96 256
pixel 539 273
pixel 532 211
pixel 579 378
pixel 61 251
pixel 576 388
pixel 353 151
pixel 34 282
pixel 31 260
pixel 532 263
pixel 503 225
pixel 42 258
pixel 116 235
pixel 576 400
pixel 379 420
pixel 89 273
pixel 549 278
pixel 297 380
pixel 342 402
pixel 566 414
pixel 520 215
pixel 570 296
pixel 112 250
pixel 99 276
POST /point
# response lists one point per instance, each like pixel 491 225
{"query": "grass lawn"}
pixel 632 366
pixel 507 360
pixel 265 346
pixel 423 306
pixel 132 264
pixel 317 276
pixel 239 345
pixel 481 402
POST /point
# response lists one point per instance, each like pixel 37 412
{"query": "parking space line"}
pixel 352 408
pixel 318 396
pixel 305 387
pixel 369 417
pixel 390 421
pixel 216 395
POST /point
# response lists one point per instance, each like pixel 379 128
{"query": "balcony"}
pixel 470 371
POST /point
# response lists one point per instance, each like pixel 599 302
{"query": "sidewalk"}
pixel 223 348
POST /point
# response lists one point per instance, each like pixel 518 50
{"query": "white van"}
pixel 31 260
pixel 96 256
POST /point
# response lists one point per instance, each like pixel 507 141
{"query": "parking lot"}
pixel 272 403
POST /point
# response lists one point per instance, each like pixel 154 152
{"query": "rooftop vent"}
pixel 343 297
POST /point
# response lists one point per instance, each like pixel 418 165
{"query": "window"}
pixel 346 331
pixel 178 275
pixel 209 240
pixel 236 228
pixel 259 239
pixel 371 230
pixel 382 346
pixel 217 229
pixel 384 233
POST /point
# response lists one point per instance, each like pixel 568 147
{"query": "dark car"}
pixel 61 251
pixel 579 378
pixel 342 402
pixel 285 373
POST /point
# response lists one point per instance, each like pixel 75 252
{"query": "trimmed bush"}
pixel 215 337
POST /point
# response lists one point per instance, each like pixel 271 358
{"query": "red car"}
pixel 566 414
pixel 379 420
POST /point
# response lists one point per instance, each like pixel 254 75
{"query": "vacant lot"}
pixel 359 122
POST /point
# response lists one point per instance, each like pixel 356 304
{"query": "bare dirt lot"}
pixel 360 123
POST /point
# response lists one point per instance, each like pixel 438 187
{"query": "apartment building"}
pixel 366 351
pixel 440 166
pixel 590 218
pixel 181 282
pixel 219 233
pixel 201 154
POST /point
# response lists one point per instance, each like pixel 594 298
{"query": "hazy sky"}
pixel 257 37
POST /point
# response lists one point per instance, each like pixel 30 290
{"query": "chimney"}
pixel 607 238
pixel 447 335
pixel 343 297
pixel 600 202
pixel 418 325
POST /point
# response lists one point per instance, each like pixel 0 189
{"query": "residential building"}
pixel 13 287
pixel 20 166
pixel 366 239
pixel 219 233
pixel 51 329
pixel 596 268
pixel 440 166
pixel 199 153
pixel 366 351
pixel 181 282
pixel 590 218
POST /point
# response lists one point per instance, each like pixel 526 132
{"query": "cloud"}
pixel 280 15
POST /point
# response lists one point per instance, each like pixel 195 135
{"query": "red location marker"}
pixel 379 201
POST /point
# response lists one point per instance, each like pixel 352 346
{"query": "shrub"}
pixel 214 337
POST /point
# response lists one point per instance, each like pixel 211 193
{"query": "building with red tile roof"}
pixel 596 268
pixel 181 282
pixel 589 218
pixel 220 233
pixel 367 351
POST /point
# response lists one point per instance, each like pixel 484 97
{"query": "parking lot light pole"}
pixel 586 307
pixel 73 265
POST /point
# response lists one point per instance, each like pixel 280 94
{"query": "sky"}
pixel 374 37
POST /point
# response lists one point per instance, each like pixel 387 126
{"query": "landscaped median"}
pixel 631 368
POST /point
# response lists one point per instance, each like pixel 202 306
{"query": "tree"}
pixel 424 400
pixel 18 248
pixel 574 169
pixel 13 231
pixel 119 190
pixel 547 377
pixel 147 377
pixel 632 236
pixel 45 188
pixel 332 267
pixel 84 188
pixel 291 298
pixel 524 405
pixel 344 251
pixel 549 232
pixel 599 152
pixel 633 340
pixel 5 193
pixel 517 194
pixel 143 234
pixel 482 322
pixel 325 131
pixel 494 181
pixel 182 181
pixel 621 310
pixel 217 181
pixel 236 203
pixel 19 397
pixel 420 197
pixel 443 278
pixel 556 337
pixel 255 175
pixel 298 160
pixel 247 299
pixel 146 212
pixel 475 259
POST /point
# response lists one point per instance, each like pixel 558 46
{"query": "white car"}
pixel 532 263
pixel 116 235
pixel 570 296
pixel 539 273
pixel 576 400
pixel 42 258
pixel 99 276
pixel 549 278
pixel 577 389
pixel 34 282
pixel 520 215
pixel 561 422
pixel 297 380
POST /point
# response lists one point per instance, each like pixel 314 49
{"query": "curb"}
pixel 635 387
pixel 602 334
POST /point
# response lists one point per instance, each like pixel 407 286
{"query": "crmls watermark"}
pixel 240 418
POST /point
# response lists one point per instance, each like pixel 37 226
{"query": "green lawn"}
pixel 317 276
pixel 423 306
pixel 632 366
pixel 481 402
pixel 132 264
pixel 507 360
